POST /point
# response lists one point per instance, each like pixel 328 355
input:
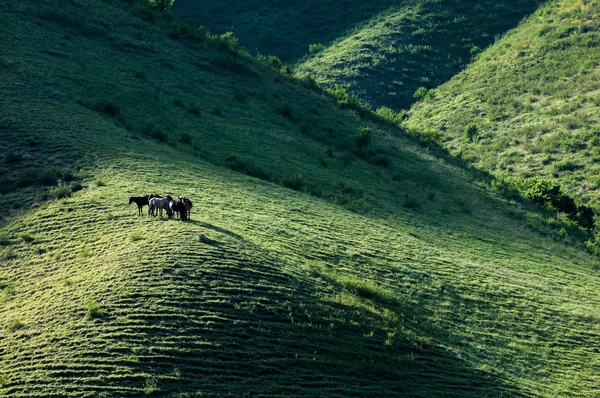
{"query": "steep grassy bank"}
pixel 280 28
pixel 411 45
pixel 533 99
pixel 384 273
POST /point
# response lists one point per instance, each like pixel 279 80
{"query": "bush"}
pixel 15 324
pixel 94 310
pixel 61 190
pixel 470 132
pixel 431 137
pixel 234 163
pixel 155 131
pixel 420 94
pixel 362 138
pixel 13 157
pixel 4 239
pixel 285 110
pixel 316 48
pixel 161 5
pixel 226 41
pixel 389 114
pixel 186 138
pixel 381 161
pixel 109 109
pixel 27 238
pixel 294 183
pixel 410 202
pixel 180 31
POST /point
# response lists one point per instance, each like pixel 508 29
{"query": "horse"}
pixel 178 207
pixel 188 206
pixel 141 201
pixel 160 204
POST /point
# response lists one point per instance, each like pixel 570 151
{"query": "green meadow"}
pixel 533 97
pixel 331 268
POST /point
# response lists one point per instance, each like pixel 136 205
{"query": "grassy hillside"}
pixel 382 51
pixel 414 44
pixel 278 27
pixel 533 98
pixel 389 272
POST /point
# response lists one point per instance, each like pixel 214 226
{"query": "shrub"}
pixel 4 239
pixel 8 253
pixel 285 110
pixel 316 48
pixel 61 190
pixel 234 163
pixel 186 138
pixel 27 238
pixel 194 110
pixel 226 41
pixel 381 161
pixel 389 114
pixel 161 5
pixel 13 157
pixel 178 103
pixel 470 132
pixel 109 109
pixel 94 310
pixel 15 324
pixel 410 202
pixel 420 94
pixel 179 31
pixel 431 137
pixel 155 131
pixel 362 138
pixel 294 183
pixel 274 62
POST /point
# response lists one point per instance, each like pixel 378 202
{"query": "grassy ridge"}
pixel 533 98
pixel 382 51
pixel 278 28
pixel 372 280
pixel 411 45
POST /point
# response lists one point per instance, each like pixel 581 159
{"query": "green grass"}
pixel 382 50
pixel 533 97
pixel 335 288
pixel 411 46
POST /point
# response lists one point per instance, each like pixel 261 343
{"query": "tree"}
pixel 161 5
pixel 362 138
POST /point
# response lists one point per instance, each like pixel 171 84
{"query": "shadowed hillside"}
pixel 331 269
pixel 382 51
pixel 533 98
pixel 278 27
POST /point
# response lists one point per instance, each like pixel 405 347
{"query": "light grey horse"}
pixel 159 204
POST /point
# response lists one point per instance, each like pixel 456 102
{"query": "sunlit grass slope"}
pixel 533 97
pixel 414 44
pixel 382 51
pixel 366 280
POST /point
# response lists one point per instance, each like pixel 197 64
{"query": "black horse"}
pixel 141 201
pixel 179 208
pixel 188 206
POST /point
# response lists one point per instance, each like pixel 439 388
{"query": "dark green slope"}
pixel 534 99
pixel 385 274
pixel 279 27
pixel 381 51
